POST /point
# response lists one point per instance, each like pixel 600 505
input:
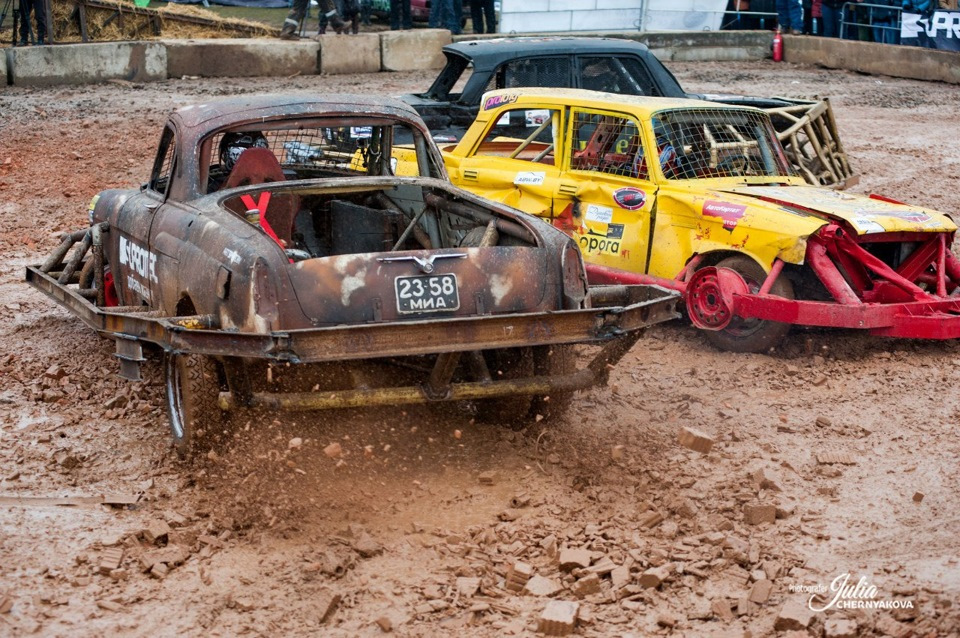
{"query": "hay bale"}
pixel 123 20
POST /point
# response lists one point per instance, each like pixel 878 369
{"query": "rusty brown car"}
pixel 278 261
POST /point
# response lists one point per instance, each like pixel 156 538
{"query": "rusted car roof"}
pixel 218 113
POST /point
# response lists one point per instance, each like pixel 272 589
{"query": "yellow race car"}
pixel 701 197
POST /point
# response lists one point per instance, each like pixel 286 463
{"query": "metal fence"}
pixel 882 21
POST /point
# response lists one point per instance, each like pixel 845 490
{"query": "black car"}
pixel 612 65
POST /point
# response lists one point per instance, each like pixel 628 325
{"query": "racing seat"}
pixel 260 166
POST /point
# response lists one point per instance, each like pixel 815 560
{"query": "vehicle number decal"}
pixel 529 178
pixel 431 293
pixel 600 214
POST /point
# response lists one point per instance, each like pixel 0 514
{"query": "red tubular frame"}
pixel 867 293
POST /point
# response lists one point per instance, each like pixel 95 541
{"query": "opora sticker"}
pixel 629 198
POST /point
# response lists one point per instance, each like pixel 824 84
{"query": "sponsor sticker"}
pixel 536 117
pixel 138 259
pixel 529 178
pixel 361 132
pixel 729 213
pixel 601 214
pixel 607 241
pixel 499 100
pixel 629 198
pixel 867 225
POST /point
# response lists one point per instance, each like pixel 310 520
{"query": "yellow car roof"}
pixel 640 105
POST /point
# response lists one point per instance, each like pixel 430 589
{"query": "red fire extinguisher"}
pixel 777 46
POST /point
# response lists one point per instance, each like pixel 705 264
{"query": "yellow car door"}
pixel 612 198
pixel 515 160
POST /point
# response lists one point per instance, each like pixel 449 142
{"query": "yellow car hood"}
pixel 864 214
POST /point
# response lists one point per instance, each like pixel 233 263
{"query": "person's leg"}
pixel 783 15
pixel 41 17
pixel 395 14
pixel 807 17
pixel 491 15
pixel 476 16
pixel 796 16
pixel 829 21
pixel 407 18
pixel 436 6
pixel 455 17
pixel 291 26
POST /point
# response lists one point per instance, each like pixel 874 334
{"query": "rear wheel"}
pixel 193 384
pixel 751 335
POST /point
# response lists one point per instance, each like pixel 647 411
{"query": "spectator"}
pixel 790 16
pixel 291 26
pixel 398 7
pixel 816 17
pixel 831 16
pixel 917 6
pixel 366 8
pixel 446 14
pixel 39 15
pixel 479 8
pixel 886 23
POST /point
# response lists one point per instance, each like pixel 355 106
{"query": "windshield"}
pixel 704 143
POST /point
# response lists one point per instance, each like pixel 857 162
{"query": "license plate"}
pixel 432 293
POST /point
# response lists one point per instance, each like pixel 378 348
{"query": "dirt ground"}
pixel 265 536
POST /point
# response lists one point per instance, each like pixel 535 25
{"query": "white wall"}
pixel 537 16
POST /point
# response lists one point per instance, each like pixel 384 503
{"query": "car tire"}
pixel 193 385
pixel 509 411
pixel 552 360
pixel 751 335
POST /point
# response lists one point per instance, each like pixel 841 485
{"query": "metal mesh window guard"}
pixel 609 144
pixel 701 143
pixel 329 151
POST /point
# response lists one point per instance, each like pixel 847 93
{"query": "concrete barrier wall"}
pixel 413 50
pixel 344 54
pixel 241 57
pixel 87 63
pixel 420 49
pixel 868 57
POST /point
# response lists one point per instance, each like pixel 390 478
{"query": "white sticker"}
pixel 138 259
pixel 536 117
pixel 529 178
pixel 361 132
pixel 504 119
pixel 600 214
pixel 867 225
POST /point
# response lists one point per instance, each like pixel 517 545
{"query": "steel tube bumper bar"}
pixel 641 306
pixel 914 320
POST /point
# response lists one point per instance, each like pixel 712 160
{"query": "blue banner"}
pixel 939 30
